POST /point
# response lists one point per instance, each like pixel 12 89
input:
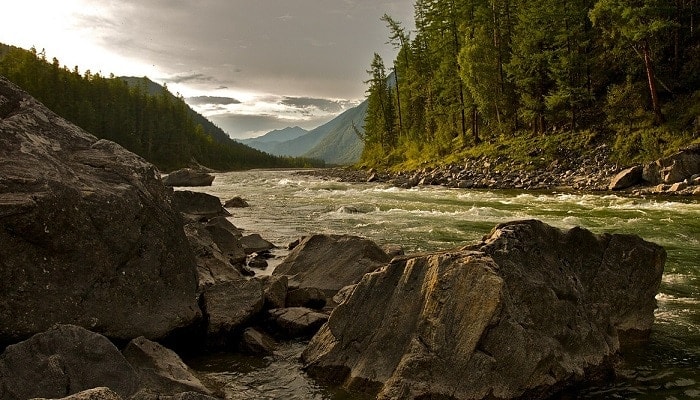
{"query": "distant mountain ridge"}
pixel 334 142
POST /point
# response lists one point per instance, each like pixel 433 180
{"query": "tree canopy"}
pixel 480 72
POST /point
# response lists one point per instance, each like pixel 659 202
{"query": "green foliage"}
pixel 156 125
pixel 478 74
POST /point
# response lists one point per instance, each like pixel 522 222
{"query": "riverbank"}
pixel 592 173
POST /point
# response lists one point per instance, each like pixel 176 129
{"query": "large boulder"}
pixel 627 178
pixel 675 168
pixel 527 312
pixel 188 177
pixel 228 306
pixel 331 262
pixel 218 258
pixel 87 232
pixel 198 205
pixel 161 369
pixel 62 361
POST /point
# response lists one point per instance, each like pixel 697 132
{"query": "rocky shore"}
pixel 678 174
pixel 109 277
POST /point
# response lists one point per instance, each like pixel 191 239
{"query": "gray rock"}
pixel 228 306
pixel 188 177
pixel 627 178
pixel 276 291
pixel 213 266
pixel 256 342
pixel 198 205
pixel 255 244
pixel 330 262
pixel 100 393
pixel 675 168
pixel 296 322
pixel 62 361
pixel 87 233
pixel 344 294
pixel 236 202
pixel 160 369
pixel 527 312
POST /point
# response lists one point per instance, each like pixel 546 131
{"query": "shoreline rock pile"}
pixel 678 174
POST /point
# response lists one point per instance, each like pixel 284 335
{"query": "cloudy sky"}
pixel 249 65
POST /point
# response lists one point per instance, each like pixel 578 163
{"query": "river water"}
pixel 285 205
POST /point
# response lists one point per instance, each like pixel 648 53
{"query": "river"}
pixel 285 205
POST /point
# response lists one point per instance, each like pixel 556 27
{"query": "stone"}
pixel 147 394
pixel 258 262
pixel 256 342
pixel 523 314
pixel 223 223
pixel 100 393
pixel 161 369
pixel 236 202
pixel 188 177
pixel 87 232
pixel 229 305
pixel 393 250
pixel 344 294
pixel 62 361
pixel 306 297
pixel 255 244
pixel 627 178
pixel 213 266
pixel 198 205
pixel 276 291
pixel 330 262
pixel 296 322
pixel 677 187
pixel 675 168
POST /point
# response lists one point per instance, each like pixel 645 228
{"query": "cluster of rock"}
pixel 484 173
pixel 676 174
pixel 95 250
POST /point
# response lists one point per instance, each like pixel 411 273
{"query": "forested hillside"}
pixel 478 76
pixel 159 127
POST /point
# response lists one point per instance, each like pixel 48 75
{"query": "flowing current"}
pixel 285 205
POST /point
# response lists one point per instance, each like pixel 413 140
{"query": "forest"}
pixel 537 77
pixel 160 127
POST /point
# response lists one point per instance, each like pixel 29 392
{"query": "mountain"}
pixel 154 89
pixel 269 142
pixel 278 135
pixel 341 145
pixel 334 142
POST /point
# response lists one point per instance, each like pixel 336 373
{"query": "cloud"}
pixel 242 126
pixel 213 100
pixel 194 77
pixel 326 105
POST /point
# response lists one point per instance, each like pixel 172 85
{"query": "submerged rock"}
pixel 87 232
pixel 521 315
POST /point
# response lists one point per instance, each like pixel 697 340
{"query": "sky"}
pixel 250 66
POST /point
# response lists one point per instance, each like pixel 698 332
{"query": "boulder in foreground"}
pixel 527 312
pixel 87 232
pixel 62 361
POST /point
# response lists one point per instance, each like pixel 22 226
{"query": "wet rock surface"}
pixel 523 314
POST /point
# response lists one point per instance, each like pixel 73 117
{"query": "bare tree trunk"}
pixel 655 104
